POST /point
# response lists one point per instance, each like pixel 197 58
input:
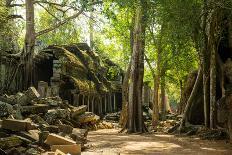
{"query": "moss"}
pixel 84 85
pixel 85 68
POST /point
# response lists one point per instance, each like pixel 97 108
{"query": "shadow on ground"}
pixel 109 141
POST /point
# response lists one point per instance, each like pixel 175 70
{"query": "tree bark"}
pixel 163 102
pixel 125 85
pixel 135 117
pixel 191 99
pixel 91 29
pixel 213 72
pixel 212 88
pixel 206 65
pixel 125 97
pixel 29 42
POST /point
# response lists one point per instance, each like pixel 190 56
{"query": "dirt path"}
pixel 110 142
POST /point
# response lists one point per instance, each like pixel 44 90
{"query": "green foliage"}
pixel 8 30
pixel 69 33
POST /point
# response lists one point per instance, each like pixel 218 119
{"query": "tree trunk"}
pixel 206 65
pixel 179 109
pixel 155 116
pixel 29 41
pixel 125 85
pixel 212 42
pixel 91 29
pixel 212 88
pixel 135 117
pixel 125 97
pixel 191 99
pixel 163 102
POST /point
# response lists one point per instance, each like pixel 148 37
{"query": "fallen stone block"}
pixel 54 114
pixel 38 120
pixel 10 142
pixel 58 152
pixel 74 149
pixel 65 128
pixel 42 88
pixel 88 117
pixel 17 125
pixel 35 109
pixel 16 151
pixel 76 111
pixel 21 99
pixel 51 128
pixel 32 151
pixel 5 109
pixel 7 99
pixel 80 136
pixel 48 153
pixel 17 112
pixel 43 136
pixel 54 139
pixel 32 93
pixel 32 135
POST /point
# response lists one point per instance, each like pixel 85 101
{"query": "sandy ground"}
pixel 110 142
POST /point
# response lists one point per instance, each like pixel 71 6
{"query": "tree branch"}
pixel 149 64
pixel 58 24
pixel 14 16
pixel 64 21
pixel 48 11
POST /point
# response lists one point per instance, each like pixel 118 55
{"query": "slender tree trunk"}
pixel 163 102
pixel 179 110
pixel 125 85
pixel 212 88
pixel 29 41
pixel 125 97
pixel 206 65
pixel 212 42
pixel 194 92
pixel 155 116
pixel 91 29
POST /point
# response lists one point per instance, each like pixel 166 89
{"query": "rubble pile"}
pixel 113 117
pixel 169 125
pixel 33 125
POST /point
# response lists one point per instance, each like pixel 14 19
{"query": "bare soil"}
pixel 110 142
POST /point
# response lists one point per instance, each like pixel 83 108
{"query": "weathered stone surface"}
pixel 42 88
pixel 17 112
pixel 5 109
pixel 16 151
pixel 65 128
pixel 54 139
pixel 32 135
pixel 58 152
pixel 88 117
pixel 17 125
pixel 9 142
pixel 43 136
pixel 35 109
pixel 76 111
pixel 54 114
pixel 80 136
pixel 32 151
pixel 21 99
pixel 51 128
pixel 74 149
pixel 32 93
pixel 38 120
